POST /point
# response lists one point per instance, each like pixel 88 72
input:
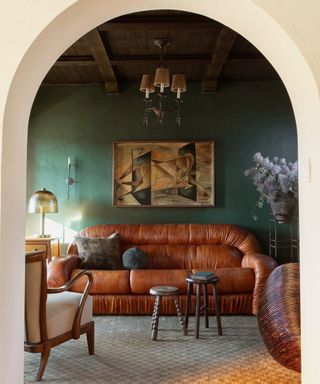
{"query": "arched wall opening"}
pixel 254 24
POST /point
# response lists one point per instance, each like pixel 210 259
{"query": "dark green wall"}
pixel 82 122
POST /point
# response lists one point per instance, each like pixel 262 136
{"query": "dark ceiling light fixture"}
pixel 160 81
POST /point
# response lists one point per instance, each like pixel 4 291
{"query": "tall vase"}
pixel 283 206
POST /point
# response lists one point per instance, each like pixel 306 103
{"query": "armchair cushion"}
pixel 99 252
pixel 61 311
pixel 33 301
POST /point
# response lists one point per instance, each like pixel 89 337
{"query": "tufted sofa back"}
pixel 181 246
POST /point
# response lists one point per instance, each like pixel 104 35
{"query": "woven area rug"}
pixel 125 354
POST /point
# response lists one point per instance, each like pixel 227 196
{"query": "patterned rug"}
pixel 125 354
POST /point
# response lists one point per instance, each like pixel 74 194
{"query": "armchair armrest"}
pixel 262 265
pixel 70 283
pixel 66 287
pixel 59 270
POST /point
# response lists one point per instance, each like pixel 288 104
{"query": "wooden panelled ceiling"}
pixel 123 49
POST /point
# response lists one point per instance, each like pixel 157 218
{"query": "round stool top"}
pixel 164 290
pixel 194 280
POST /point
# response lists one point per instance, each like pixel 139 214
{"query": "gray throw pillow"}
pixel 134 258
pixel 99 252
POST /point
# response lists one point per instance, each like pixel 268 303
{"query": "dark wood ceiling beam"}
pixel 219 57
pixel 241 57
pixel 66 61
pixel 154 60
pixel 159 23
pixel 94 42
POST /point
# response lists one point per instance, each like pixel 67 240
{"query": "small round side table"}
pixel 158 292
pixel 205 307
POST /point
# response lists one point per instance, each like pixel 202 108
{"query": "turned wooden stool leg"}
pixel 154 312
pixel 155 318
pixel 205 299
pixel 182 324
pixel 198 310
pixel 217 309
pixel 188 304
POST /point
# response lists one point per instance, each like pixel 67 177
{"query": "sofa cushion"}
pixel 174 256
pixel 134 258
pixel 61 311
pixel 104 282
pixel 234 280
pixel 142 280
pixel 217 256
pixel 99 252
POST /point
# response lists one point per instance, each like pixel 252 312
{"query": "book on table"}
pixel 203 275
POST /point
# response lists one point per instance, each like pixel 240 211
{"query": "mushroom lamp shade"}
pixel 43 202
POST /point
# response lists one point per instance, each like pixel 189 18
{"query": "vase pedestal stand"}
pixel 283 240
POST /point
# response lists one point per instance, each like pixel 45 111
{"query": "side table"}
pixel 44 244
pixel 192 280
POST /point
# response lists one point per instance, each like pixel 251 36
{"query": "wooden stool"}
pixel 205 307
pixel 158 292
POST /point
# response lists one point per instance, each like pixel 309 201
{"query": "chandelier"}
pixel 156 84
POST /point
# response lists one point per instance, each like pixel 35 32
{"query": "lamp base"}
pixel 40 236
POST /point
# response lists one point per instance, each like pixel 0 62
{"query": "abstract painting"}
pixel 163 174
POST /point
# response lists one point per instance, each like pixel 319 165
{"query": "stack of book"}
pixel 204 275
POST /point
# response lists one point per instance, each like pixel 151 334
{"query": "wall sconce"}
pixel 69 179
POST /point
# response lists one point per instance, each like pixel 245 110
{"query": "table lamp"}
pixel 43 202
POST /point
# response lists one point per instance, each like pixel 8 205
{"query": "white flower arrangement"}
pixel 274 178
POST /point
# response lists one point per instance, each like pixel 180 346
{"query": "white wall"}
pixel 34 33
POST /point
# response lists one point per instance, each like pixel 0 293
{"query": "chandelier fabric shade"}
pixel 179 84
pixel 162 78
pixel 147 85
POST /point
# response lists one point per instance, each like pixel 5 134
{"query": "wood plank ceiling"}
pixel 122 50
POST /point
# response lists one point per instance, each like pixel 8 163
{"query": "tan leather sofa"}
pixel 174 251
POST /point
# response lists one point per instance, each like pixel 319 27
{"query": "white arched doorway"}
pixel 56 28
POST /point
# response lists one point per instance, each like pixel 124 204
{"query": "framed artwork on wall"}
pixel 163 174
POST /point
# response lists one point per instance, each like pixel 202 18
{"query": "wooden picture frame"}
pixel 163 174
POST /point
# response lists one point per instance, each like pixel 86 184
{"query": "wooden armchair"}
pixel 54 315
